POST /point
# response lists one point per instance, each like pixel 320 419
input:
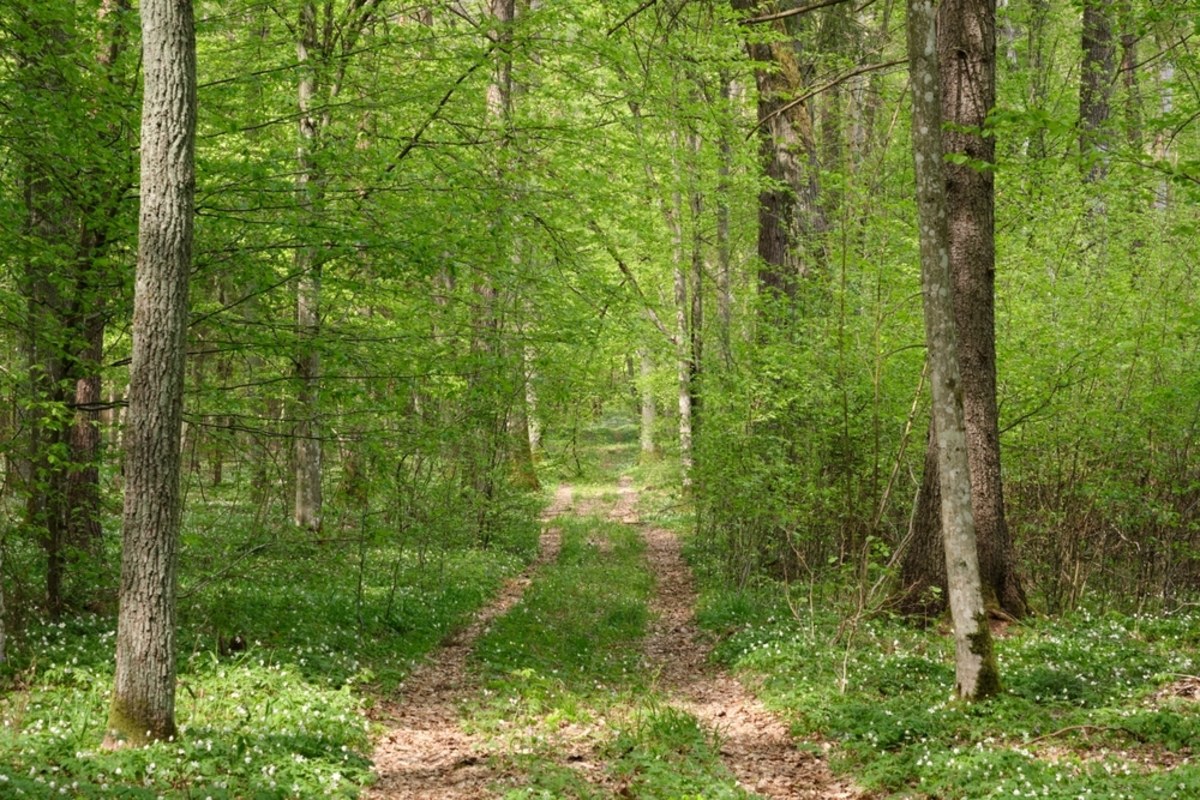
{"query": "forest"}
pixel 599 398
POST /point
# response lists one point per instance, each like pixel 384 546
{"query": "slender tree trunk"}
pixel 975 666
pixel 83 482
pixel 143 703
pixel 724 245
pixel 307 506
pixel 696 286
pixel 1161 148
pixel 649 417
pixel 682 341
pixel 531 404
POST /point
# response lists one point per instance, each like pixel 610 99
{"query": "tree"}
pixel 1096 77
pixel 966 41
pixel 143 704
pixel 76 173
pixel 975 666
pixel 789 212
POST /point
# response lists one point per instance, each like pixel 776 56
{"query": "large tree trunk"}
pixel 789 214
pixel 975 665
pixel 966 49
pixel 143 703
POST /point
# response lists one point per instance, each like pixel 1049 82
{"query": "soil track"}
pixel 426 755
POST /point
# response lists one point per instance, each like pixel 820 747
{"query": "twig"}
pixel 1070 728
pixel 628 273
pixel 633 14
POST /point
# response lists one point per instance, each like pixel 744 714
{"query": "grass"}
pixel 566 684
pixel 283 644
pixel 1086 711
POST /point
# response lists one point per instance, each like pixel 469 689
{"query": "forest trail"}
pixel 755 744
pixel 426 754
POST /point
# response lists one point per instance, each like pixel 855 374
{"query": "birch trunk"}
pixel 143 704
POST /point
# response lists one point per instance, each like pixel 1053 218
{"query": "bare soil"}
pixel 425 754
pixel 755 744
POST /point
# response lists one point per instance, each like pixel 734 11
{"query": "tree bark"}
pixel 307 505
pixel 1096 74
pixel 789 214
pixel 143 704
pixel 975 666
pixel 966 50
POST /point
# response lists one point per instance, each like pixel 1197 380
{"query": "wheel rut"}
pixel 755 744
pixel 425 754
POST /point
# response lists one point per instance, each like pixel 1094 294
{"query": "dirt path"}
pixel 755 744
pixel 424 754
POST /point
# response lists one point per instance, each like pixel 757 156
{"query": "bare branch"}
pixel 791 12
pixel 863 70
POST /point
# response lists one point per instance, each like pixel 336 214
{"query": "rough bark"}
pixel 1096 74
pixel 789 212
pixel 143 704
pixel 966 50
pixel 975 666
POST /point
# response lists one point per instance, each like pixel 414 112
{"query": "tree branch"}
pixel 633 14
pixel 628 273
pixel 791 12
pixel 863 70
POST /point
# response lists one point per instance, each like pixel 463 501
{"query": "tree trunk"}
pixel 143 704
pixel 306 509
pixel 649 450
pixel 83 483
pixel 683 350
pixel 966 50
pixel 789 214
pixel 724 245
pixel 975 666
pixel 1096 74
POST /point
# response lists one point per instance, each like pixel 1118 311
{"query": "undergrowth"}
pixel 283 642
pixel 1093 706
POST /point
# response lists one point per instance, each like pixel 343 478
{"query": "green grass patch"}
pixel 580 624
pixel 1083 713
pixel 666 754
pixel 569 656
pixel 283 642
